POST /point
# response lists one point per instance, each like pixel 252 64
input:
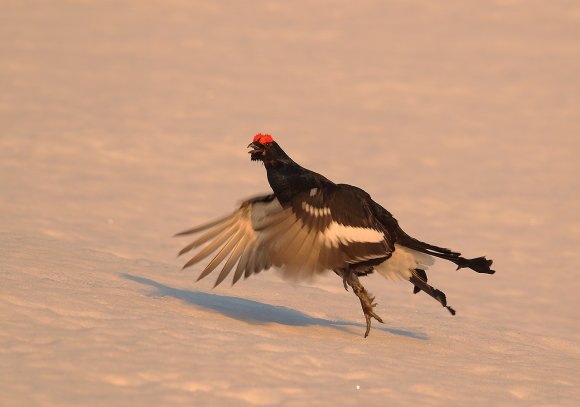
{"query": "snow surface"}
pixel 125 122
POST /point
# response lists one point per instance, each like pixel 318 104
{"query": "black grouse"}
pixel 310 225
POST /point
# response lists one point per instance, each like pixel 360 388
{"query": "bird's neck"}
pixel 287 179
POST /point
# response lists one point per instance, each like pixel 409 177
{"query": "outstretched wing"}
pixel 239 235
pixel 321 229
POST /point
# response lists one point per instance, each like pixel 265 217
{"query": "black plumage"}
pixel 309 225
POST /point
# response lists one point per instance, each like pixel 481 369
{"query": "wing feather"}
pixel 222 254
pixel 321 229
pixel 205 226
pixel 208 236
pixel 211 247
pixel 232 260
pixel 243 263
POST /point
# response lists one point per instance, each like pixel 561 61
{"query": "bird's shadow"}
pixel 255 312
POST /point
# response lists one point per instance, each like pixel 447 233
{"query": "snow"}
pixel 125 122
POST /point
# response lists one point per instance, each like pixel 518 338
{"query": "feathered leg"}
pixel 366 300
pixel 421 285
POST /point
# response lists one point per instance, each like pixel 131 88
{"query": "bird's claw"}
pixel 368 305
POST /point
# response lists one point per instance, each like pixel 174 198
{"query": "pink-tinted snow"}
pixel 123 122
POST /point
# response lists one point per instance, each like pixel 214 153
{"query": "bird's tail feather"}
pixel 478 264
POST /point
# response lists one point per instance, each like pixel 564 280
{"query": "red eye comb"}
pixel 263 138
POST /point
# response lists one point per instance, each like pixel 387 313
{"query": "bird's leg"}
pixel 343 276
pixel 366 300
pixel 432 291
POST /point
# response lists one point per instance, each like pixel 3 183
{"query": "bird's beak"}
pixel 256 148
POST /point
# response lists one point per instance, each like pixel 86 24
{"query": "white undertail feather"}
pixel 402 263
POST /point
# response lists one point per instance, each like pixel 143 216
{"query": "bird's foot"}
pixel 349 278
pixel 368 306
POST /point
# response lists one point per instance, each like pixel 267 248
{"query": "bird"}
pixel 309 225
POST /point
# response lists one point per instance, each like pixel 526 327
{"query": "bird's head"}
pixel 265 149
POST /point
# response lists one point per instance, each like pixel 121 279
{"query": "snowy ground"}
pixel 125 122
